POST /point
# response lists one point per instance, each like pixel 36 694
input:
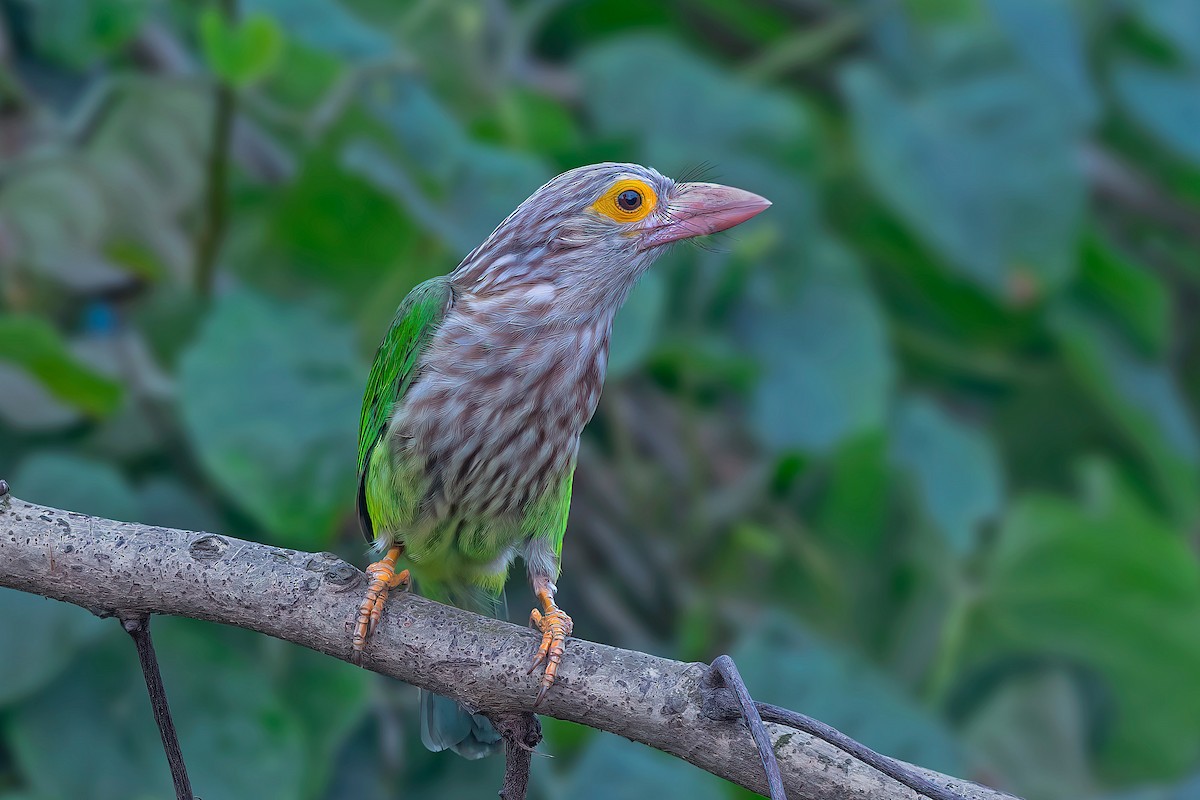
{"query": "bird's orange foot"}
pixel 555 626
pixel 382 576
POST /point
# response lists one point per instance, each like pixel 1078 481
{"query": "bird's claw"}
pixel 555 626
pixel 382 577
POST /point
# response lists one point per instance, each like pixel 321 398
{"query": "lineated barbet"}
pixel 471 419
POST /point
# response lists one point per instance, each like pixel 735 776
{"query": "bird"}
pixel 479 392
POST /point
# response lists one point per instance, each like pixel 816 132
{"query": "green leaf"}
pixel 111 741
pixel 1176 21
pixel 458 232
pixel 330 698
pixel 302 80
pixel 695 115
pixel 131 433
pixel 955 469
pixel 1186 789
pixel 80 32
pixel 654 774
pixel 983 168
pixel 1103 585
pixel 637 325
pixel 1143 399
pixel 75 484
pixel 827 374
pixel 325 25
pixel 238 733
pixel 149 154
pixel 929 12
pixel 38 638
pixel 270 398
pixel 474 186
pixel 74 216
pixel 58 218
pixel 854 509
pixel 167 502
pixel 783 663
pixel 1132 295
pixel 1047 35
pixel 426 131
pixel 692 111
pixel 240 53
pixel 167 320
pixel 1165 102
pixel 537 123
pixel 26 405
pixel 335 226
pixel 1033 733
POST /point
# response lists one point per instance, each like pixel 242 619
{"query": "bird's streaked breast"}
pixel 504 391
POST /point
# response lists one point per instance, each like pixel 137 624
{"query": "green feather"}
pixel 457 557
pixel 547 519
pixel 393 371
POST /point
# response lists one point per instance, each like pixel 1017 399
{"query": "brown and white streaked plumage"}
pixel 477 397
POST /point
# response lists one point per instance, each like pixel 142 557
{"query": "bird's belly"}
pixel 483 459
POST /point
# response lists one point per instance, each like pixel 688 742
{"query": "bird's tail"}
pixel 446 725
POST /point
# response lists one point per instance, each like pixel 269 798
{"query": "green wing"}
pixel 394 369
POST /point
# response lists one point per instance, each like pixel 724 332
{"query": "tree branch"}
pixel 521 733
pixel 311 599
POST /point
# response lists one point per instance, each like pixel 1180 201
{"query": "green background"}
pixel 917 446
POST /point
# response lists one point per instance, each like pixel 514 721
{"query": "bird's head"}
pixel 592 231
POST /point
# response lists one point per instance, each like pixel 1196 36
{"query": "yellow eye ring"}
pixel 627 200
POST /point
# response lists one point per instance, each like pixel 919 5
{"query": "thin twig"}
pixel 730 678
pixel 521 733
pixel 138 627
pixel 731 703
pixel 888 766
pixel 208 243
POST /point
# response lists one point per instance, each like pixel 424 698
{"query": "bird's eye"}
pixel 626 201
pixel 629 200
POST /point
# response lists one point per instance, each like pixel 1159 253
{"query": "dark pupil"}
pixel 629 200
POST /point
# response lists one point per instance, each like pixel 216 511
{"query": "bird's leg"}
pixel 555 626
pixel 383 576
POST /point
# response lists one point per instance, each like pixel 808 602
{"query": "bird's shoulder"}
pixel 417 318
pixel 419 315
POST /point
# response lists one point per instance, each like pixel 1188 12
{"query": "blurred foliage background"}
pixel 918 446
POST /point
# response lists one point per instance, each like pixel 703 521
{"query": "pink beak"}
pixel 698 209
